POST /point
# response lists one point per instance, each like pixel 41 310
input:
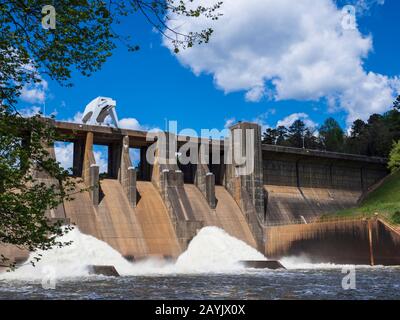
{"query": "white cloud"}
pixel 35 93
pixel 362 6
pixel 263 118
pixel 294 49
pixel 255 94
pixel 77 118
pixel 288 121
pixel 101 160
pixel 135 156
pixel 130 123
pixel 64 154
pixel 30 112
pixel 229 122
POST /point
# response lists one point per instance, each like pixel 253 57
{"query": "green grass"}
pixel 385 201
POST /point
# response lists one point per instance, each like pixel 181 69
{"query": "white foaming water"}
pixel 71 261
pixel 303 263
pixel 212 250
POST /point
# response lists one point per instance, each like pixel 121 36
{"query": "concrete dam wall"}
pixel 157 216
pixel 303 184
pixel 156 209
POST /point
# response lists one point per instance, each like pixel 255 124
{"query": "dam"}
pixel 156 209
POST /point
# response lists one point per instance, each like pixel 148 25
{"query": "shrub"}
pixel 394 158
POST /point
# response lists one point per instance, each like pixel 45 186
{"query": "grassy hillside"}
pixel 385 200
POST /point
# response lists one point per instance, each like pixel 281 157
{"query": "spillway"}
pixel 135 232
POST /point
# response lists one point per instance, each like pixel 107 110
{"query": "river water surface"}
pixel 208 269
pixel 371 283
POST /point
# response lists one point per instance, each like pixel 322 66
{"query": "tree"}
pixel 23 199
pixel 378 136
pixel 394 157
pixel 276 136
pixel 311 141
pixel 269 136
pixel 82 41
pixel 282 136
pixel 331 135
pixel 392 120
pixel 296 134
pixel 357 128
pixel 396 103
pixel 353 143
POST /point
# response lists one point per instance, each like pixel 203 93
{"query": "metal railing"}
pixel 318 220
pixel 389 224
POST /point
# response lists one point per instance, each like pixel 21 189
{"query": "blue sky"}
pixel 153 84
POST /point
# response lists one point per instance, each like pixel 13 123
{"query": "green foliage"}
pixel 276 136
pixel 24 144
pixel 394 157
pixel 296 134
pixel 396 104
pixel 372 138
pixel 331 135
pixel 83 38
pixel 396 217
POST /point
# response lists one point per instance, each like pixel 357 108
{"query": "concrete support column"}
pixel 94 184
pixel 247 173
pixel 88 158
pixel 145 168
pixel 210 190
pixel 114 158
pixel 131 187
pixel 171 180
pixel 165 157
pixel 126 172
pixel 244 178
pixel 90 170
pixel 78 157
pixel 42 176
pixel 205 182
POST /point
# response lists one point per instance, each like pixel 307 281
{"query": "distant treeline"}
pixel 372 138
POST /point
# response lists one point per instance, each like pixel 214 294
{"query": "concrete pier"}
pixel 127 175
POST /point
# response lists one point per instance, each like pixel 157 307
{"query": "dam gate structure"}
pixel 155 209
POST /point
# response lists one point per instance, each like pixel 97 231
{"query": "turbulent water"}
pixel 209 269
pixel 211 251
